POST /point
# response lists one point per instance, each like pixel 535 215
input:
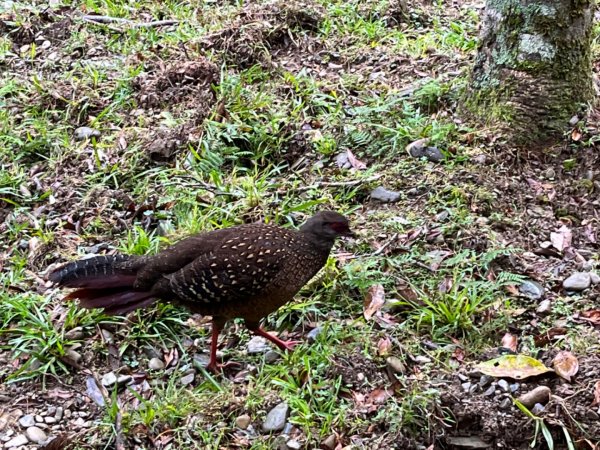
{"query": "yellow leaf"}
pixel 518 367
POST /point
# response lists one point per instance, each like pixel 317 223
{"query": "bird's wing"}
pixel 237 269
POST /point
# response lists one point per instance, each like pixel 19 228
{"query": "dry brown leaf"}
pixel 596 401
pixel 550 334
pixel 592 316
pixel 565 364
pixel 576 135
pixel 356 163
pixel 384 346
pixel 562 238
pixel 374 300
pixel 510 341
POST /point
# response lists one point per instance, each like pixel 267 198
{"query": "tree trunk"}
pixel 533 70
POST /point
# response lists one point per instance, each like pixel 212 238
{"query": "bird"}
pixel 245 271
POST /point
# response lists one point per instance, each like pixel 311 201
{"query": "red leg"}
pixel 217 326
pixel 283 345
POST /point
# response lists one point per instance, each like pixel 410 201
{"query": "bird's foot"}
pixel 216 367
pixel 283 345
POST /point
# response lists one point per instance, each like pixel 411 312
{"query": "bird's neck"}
pixel 322 243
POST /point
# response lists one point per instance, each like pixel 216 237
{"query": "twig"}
pixel 381 249
pixel 119 445
pixel 104 20
pixel 339 183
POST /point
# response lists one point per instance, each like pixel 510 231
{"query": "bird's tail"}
pixel 104 282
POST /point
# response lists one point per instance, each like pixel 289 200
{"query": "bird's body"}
pixel 246 271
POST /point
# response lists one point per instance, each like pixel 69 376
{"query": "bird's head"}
pixel 327 225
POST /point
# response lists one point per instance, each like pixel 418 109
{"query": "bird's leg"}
pixel 217 327
pixel 283 345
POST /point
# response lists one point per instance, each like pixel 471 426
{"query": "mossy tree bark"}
pixel 533 70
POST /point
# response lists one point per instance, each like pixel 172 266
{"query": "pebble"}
pixel 342 161
pixel 187 379
pixel 490 391
pixel 485 380
pixel 384 195
pixel 110 380
pixel 293 444
pixel 538 408
pixel 540 394
pixel 505 403
pixel 50 420
pixel 156 364
pixel 82 133
pixel 531 289
pixel 35 434
pixel 466 387
pixel 271 356
pixel 396 364
pixel 257 344
pixel 313 334
pixel 276 418
pixel 514 387
pixel 73 356
pixel 59 413
pixel 74 334
pixel 544 307
pixel 17 441
pixel 27 421
pixel 200 361
pixel 39 418
pixel 243 421
pixel 503 384
pixel 594 278
pixel 419 149
pixel 577 282
pixel 467 442
pixel 329 443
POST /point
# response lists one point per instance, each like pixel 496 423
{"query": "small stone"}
pixel 39 418
pixel 187 379
pixel 531 289
pixel 156 364
pixel 503 384
pixel 577 282
pixel 342 161
pixel 466 386
pixel 467 442
pixel 473 389
pixel 485 381
pixel 293 444
pixel 59 413
pixel 538 408
pixel 82 133
pixel 419 149
pixel 110 379
pixel 27 421
pixel 462 377
pixel 329 443
pixel 480 159
pixel 395 364
pixel 540 394
pixel 420 359
pixel 49 420
pixel 271 356
pixel 200 361
pixel 442 216
pixel 490 391
pixel 51 410
pixel 594 278
pixel 243 421
pixel 257 344
pixel 108 337
pixel 505 403
pixel 17 441
pixel 73 356
pixel 68 413
pixel 574 120
pixel 74 334
pixel 37 435
pixel 313 334
pixel 276 418
pixel 544 307
pixel 514 387
pixel 384 195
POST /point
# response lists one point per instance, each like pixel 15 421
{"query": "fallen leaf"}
pixel 509 341
pixel 356 163
pixel 550 334
pixel 592 316
pixel 378 396
pixel 565 364
pixel 384 346
pixel 562 238
pixel 576 135
pixel 596 401
pixel 374 300
pixel 518 367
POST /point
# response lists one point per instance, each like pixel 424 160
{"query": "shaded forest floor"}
pixel 117 137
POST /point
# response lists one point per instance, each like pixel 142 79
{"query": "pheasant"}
pixel 246 271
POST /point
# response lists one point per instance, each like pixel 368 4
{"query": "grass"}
pixel 266 151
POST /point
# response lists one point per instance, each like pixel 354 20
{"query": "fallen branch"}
pixel 105 20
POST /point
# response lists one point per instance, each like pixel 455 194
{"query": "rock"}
pixel 384 195
pixel 17 441
pixel 72 356
pixel 490 391
pixel 187 379
pixel 442 216
pixel 110 380
pixel 39 419
pixel 342 161
pixel 514 387
pixel 74 334
pixel 37 435
pixel 243 421
pixel 82 133
pixel 531 289
pixel 27 421
pixel 574 120
pixel 538 408
pixel 485 381
pixel 544 307
pixel 271 356
pixel 395 364
pixel 467 442
pixel 276 418
pixel 156 364
pixel 420 359
pixel 594 278
pixel 540 394
pixel 466 387
pixel 49 420
pixel 201 361
pixel 419 149
pixel 503 384
pixel 506 403
pixel 59 413
pixel 577 282
pixel 108 337
pixel 293 444
pixel 312 335
pixel 257 344
pixel 329 443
